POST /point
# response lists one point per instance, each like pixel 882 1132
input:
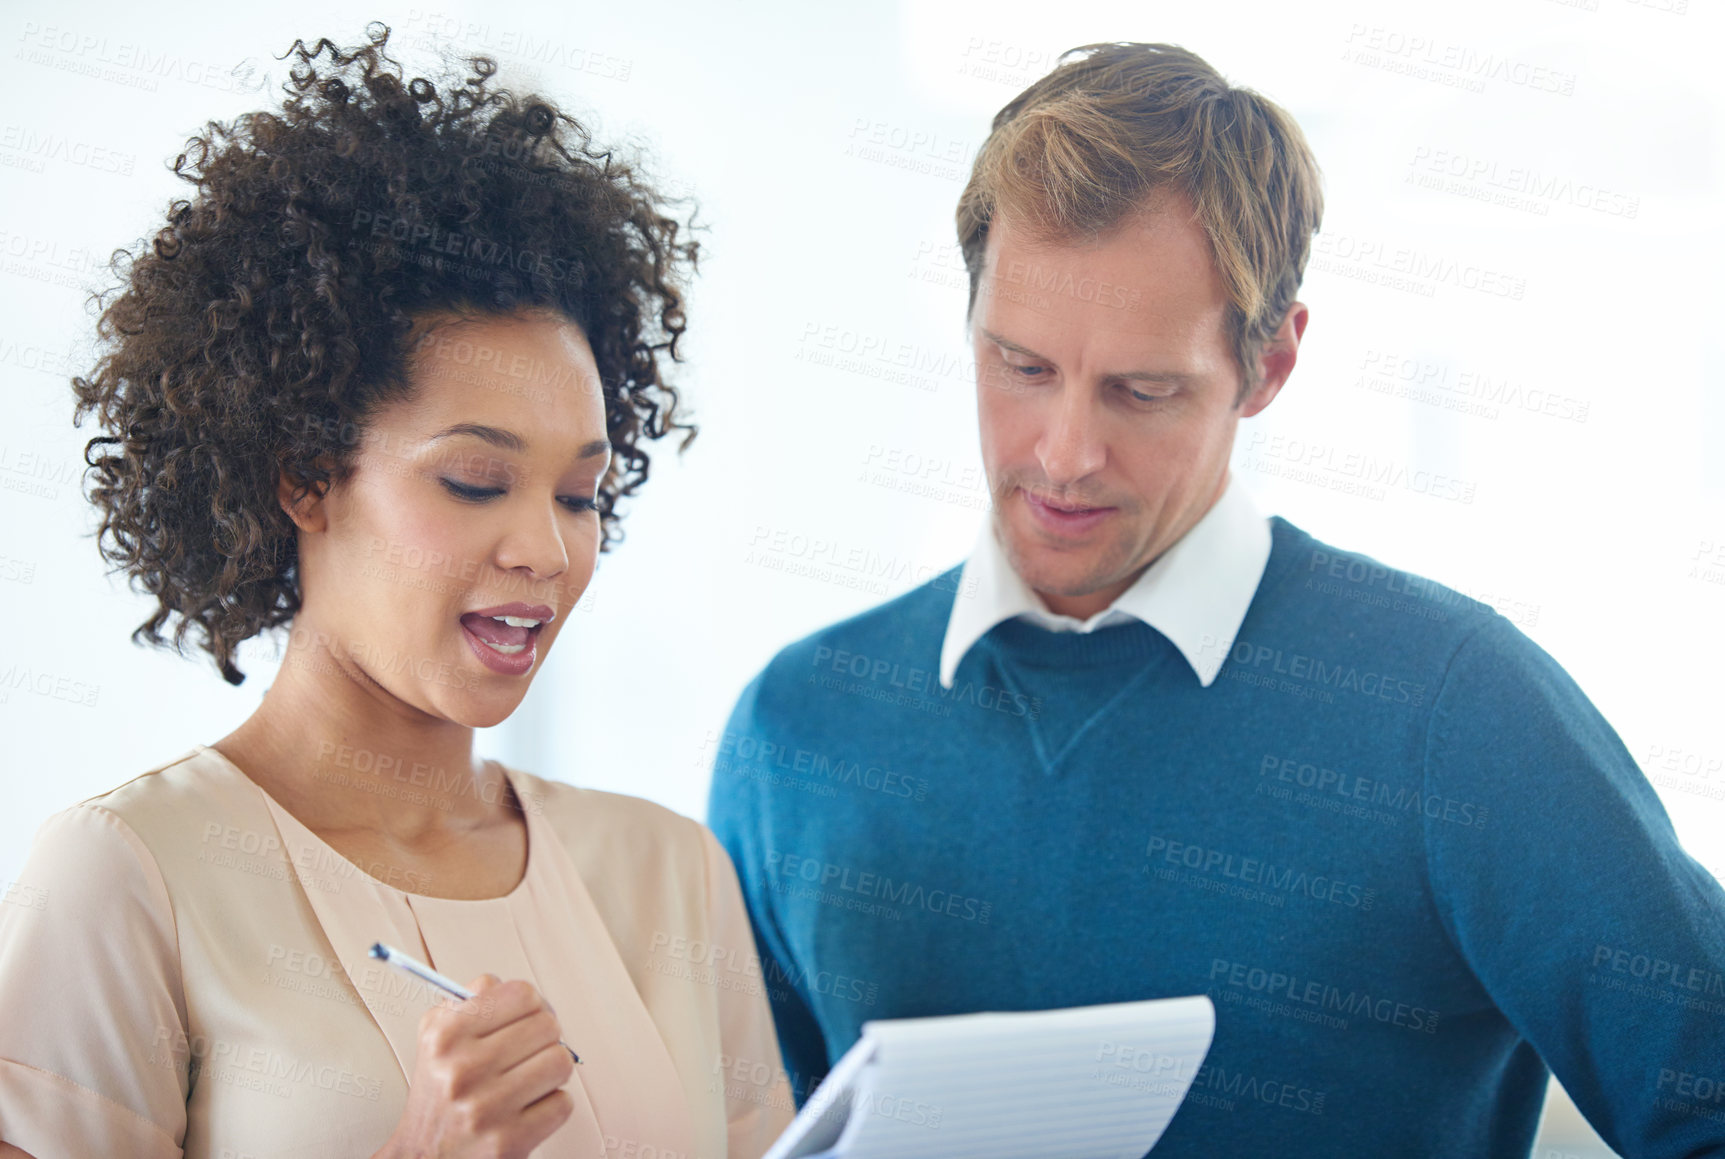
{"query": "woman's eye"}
pixel 471 494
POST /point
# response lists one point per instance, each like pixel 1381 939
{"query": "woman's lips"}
pixel 506 650
pixel 1066 520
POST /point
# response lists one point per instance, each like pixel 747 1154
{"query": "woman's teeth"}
pixel 517 621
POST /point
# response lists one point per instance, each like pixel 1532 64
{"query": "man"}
pixel 1146 743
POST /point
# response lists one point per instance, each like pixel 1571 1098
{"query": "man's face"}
pixel 1106 397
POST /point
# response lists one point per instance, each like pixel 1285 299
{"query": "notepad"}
pixel 1088 1082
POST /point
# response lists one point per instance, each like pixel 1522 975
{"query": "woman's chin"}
pixel 487 711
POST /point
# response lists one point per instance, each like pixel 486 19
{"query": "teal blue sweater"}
pixel 1393 841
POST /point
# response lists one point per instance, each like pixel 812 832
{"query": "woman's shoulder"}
pixel 167 818
pixel 199 772
pixel 164 801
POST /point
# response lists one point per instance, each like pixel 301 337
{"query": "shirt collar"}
pixel 1196 593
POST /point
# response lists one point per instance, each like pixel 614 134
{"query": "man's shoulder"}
pixel 906 631
pixel 1341 587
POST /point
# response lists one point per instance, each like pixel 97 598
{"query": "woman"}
pixel 382 379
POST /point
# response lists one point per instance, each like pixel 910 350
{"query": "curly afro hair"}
pixel 251 338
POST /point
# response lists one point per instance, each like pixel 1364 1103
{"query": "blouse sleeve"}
pixel 758 1104
pixel 93 1046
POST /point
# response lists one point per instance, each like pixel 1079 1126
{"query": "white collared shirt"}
pixel 1196 593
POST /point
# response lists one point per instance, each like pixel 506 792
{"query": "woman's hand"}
pixel 487 1082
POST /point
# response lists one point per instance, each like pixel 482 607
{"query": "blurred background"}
pixel 1511 381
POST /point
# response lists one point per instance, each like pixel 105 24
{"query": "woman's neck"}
pixel 341 753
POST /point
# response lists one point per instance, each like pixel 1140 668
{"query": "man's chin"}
pixel 1064 576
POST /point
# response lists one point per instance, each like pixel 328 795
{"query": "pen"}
pixel 420 970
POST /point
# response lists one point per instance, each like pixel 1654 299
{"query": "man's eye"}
pixel 1025 371
pixel 471 494
pixel 1140 396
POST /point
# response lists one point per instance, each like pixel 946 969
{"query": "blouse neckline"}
pixel 327 850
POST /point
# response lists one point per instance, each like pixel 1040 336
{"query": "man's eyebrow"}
pixel 1009 345
pixel 510 441
pixel 1171 378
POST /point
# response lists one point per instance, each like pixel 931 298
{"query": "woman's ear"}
pixel 303 502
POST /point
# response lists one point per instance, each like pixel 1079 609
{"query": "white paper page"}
pixel 822 1119
pixel 1094 1082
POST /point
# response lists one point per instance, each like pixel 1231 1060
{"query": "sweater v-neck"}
pixel 1073 681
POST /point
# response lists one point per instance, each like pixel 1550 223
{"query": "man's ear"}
pixel 1276 360
pixel 303 502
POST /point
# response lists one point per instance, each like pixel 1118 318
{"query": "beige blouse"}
pixel 184 971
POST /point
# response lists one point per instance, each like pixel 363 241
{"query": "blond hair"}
pixel 1113 126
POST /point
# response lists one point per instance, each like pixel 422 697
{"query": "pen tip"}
pixel 377 950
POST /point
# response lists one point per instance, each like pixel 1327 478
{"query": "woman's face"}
pixel 469 502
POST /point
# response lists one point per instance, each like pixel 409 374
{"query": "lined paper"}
pixel 1089 1082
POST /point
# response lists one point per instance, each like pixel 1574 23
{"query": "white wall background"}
pixel 1567 151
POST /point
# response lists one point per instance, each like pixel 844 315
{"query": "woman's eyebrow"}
pixel 496 436
pixel 510 441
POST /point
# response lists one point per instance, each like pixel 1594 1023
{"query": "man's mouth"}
pixel 1062 516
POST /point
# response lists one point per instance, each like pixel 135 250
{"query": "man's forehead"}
pixel 1152 276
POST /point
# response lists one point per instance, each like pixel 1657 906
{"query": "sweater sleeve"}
pixel 1566 890
pixel 741 817
pixel 93 1047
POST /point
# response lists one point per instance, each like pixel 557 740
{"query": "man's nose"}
pixel 1072 446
